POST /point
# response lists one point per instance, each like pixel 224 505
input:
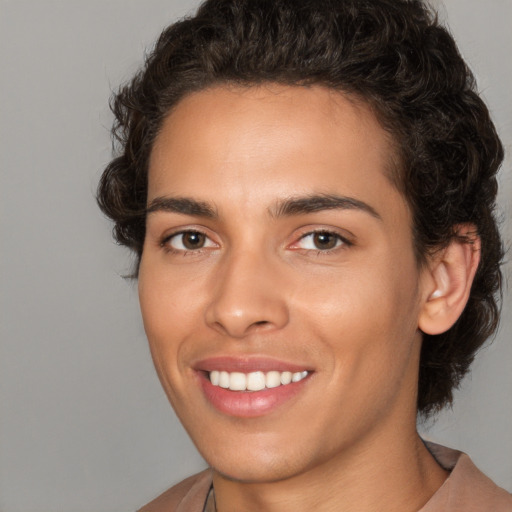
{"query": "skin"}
pixel 259 286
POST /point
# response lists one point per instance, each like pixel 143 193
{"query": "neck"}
pixel 399 475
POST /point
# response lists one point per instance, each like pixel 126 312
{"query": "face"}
pixel 278 284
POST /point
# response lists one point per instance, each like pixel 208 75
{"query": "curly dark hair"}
pixel 392 54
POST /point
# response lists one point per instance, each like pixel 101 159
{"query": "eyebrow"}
pixel 183 205
pixel 320 202
pixel 284 208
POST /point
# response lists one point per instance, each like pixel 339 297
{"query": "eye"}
pixel 320 241
pixel 188 241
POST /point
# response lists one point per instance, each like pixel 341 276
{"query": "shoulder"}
pixel 189 495
pixel 478 489
pixel 467 488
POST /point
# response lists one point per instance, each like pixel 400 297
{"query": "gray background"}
pixel 84 425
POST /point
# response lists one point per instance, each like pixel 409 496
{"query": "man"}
pixel 309 188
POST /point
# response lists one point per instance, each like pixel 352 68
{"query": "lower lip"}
pixel 249 404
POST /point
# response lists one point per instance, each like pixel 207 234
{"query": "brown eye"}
pixel 321 241
pixel 325 240
pixel 193 240
pixel 189 241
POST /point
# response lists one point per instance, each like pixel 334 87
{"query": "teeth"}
pixel 286 378
pixel 273 379
pixel 224 380
pixel 254 381
pixel 298 376
pixel 215 377
pixel 237 381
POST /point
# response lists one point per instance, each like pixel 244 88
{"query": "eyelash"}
pixel 166 242
pixel 341 241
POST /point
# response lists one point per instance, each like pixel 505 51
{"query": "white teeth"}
pixel 224 380
pixel 298 376
pixel 254 381
pixel 286 378
pixel 273 379
pixel 237 381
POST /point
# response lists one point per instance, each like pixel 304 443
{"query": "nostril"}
pixel 239 314
pixel 260 324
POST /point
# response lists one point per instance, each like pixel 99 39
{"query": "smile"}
pixel 250 387
pixel 254 381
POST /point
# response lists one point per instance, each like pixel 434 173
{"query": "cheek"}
pixel 173 303
pixel 164 312
pixel 366 316
pixel 169 300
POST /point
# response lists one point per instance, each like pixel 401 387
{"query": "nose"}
pixel 248 297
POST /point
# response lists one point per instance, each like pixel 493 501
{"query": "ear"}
pixel 448 281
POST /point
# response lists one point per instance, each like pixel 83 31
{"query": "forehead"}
pixel 268 139
pixel 271 104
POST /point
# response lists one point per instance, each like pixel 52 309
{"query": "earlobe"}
pixel 450 277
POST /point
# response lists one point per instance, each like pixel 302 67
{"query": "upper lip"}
pixel 248 364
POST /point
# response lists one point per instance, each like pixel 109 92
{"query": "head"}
pixel 391 56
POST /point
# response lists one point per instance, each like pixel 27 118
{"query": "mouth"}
pixel 254 381
pixel 248 388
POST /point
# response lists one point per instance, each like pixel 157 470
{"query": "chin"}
pixel 256 473
pixel 257 464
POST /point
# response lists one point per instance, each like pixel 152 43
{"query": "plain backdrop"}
pixel 84 425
